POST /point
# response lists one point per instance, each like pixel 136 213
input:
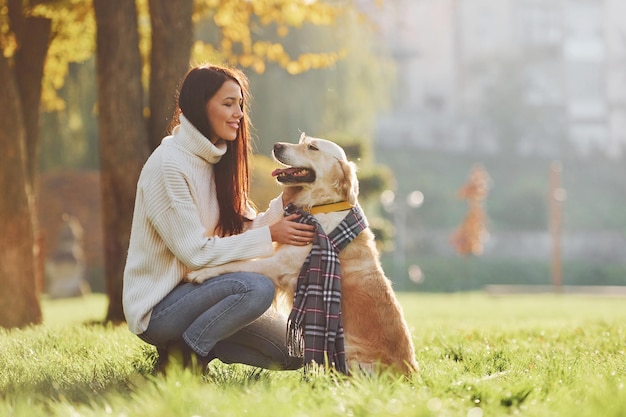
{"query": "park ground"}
pixel 480 355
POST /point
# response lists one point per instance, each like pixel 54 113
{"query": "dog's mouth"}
pixel 294 175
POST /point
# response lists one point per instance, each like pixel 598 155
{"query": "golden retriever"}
pixel 316 173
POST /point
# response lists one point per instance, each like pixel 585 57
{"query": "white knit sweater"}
pixel 175 210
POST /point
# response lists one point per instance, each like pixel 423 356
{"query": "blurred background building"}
pixel 559 61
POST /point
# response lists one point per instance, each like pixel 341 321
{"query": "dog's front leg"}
pixel 203 274
pixel 261 266
pixel 282 267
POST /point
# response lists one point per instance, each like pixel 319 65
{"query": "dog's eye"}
pixel 313 147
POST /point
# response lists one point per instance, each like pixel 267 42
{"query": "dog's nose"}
pixel 279 148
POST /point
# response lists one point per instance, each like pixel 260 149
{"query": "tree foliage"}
pixel 238 22
pixel 72 39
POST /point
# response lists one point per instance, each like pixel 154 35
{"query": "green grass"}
pixel 542 355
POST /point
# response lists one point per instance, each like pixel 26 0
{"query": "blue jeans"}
pixel 226 316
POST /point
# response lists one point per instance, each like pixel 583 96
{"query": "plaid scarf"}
pixel 314 328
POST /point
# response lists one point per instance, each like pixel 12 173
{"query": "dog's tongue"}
pixel 277 171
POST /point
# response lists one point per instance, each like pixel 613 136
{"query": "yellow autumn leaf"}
pixel 259 66
pixel 260 48
pixel 246 60
pixel 294 15
pixel 294 68
pixel 275 52
pixel 282 31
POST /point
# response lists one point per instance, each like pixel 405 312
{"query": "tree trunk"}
pixel 33 38
pixel 19 302
pixel 122 134
pixel 172 38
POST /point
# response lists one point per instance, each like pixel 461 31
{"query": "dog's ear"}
pixel 350 184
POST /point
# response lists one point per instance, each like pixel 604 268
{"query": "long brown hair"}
pixel 232 172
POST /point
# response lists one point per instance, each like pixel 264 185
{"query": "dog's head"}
pixel 316 172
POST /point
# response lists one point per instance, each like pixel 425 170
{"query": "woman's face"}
pixel 224 111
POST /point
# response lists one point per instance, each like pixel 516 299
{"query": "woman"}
pixel 191 211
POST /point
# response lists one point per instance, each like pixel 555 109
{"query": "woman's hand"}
pixel 289 231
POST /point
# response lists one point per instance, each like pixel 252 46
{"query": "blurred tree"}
pixel 19 304
pixel 26 30
pixel 171 29
pixel 69 135
pixel 33 66
pixel 123 133
pixel 470 237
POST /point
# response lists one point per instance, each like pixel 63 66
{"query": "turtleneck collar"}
pixel 190 139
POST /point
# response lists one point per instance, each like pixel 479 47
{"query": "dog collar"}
pixel 329 208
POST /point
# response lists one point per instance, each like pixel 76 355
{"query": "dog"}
pixel 316 173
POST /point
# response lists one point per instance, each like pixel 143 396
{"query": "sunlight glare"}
pixel 475 412
pixel 434 404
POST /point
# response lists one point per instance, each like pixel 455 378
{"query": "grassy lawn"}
pixel 480 356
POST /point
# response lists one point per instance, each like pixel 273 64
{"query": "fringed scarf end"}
pixel 295 339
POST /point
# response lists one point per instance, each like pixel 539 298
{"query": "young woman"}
pixel 191 211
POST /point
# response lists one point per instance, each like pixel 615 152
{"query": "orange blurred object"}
pixel 468 239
